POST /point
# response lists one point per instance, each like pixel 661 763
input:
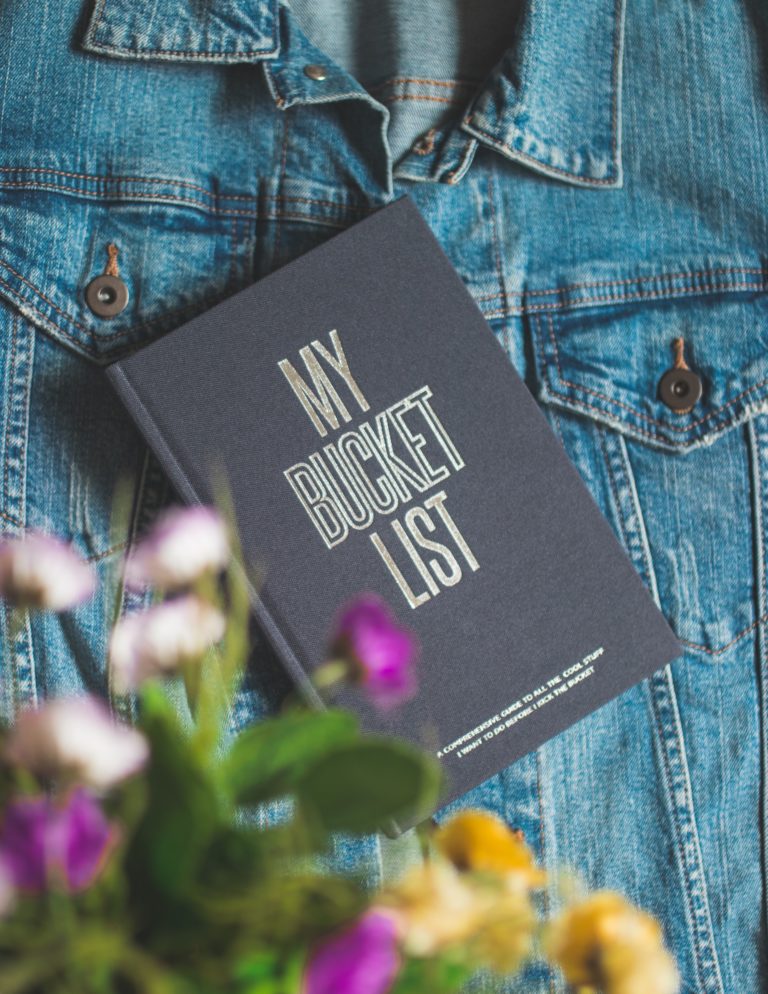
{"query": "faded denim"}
pixel 601 191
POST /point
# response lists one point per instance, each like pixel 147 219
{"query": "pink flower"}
pixel 185 544
pixel 41 842
pixel 364 959
pixel 380 651
pixel 40 571
pixel 162 640
pixel 76 736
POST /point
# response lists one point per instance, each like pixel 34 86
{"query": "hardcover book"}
pixel 375 438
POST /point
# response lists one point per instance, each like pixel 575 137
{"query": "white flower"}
pixel 41 571
pixel 185 544
pixel 162 639
pixel 79 737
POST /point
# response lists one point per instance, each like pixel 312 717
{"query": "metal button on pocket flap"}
pixel 673 374
pixel 107 294
pixel 680 388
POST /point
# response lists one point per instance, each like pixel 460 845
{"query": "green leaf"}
pixel 182 808
pixel 438 975
pixel 364 786
pixel 271 757
pixel 234 859
pixel 285 911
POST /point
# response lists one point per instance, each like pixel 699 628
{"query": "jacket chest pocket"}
pixel 81 282
pixel 102 276
pixel 656 405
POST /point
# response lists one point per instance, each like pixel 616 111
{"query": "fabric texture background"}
pixel 602 189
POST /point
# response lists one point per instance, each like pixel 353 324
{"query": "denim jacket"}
pixel 602 189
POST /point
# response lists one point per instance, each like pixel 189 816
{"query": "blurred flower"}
pixel 76 736
pixel 437 908
pixel 478 840
pixel 380 653
pixel 605 943
pixel 184 544
pixel 363 959
pixel 41 842
pixel 504 939
pixel 40 571
pixel 434 908
pixel 7 891
pixel 162 640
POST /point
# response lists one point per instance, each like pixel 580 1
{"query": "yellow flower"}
pixel 479 841
pixel 436 908
pixel 505 936
pixel 605 943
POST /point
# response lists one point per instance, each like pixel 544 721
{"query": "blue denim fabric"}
pixel 602 190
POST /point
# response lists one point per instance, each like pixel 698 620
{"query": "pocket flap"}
pixel 177 30
pixel 173 262
pixel 607 364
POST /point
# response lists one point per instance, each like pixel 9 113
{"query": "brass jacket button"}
pixel 680 388
pixel 106 296
pixel 318 73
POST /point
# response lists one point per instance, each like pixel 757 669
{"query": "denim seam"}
pixel 722 270
pixel 645 417
pixel 496 234
pixel 16 426
pixel 116 179
pixel 661 691
pixel 24 691
pixel 7 442
pixel 234 244
pixel 522 299
pixel 42 296
pixel 455 101
pixel 194 53
pixel 97 557
pixel 648 295
pixel 137 197
pixel 16 440
pixel 542 165
pixel 207 54
pixel 401 80
pixel 721 649
pixel 756 435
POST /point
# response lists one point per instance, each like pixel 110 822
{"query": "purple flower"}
pixel 162 640
pixel 40 571
pixel 184 545
pixel 42 842
pixel 363 959
pixel 76 736
pixel 380 651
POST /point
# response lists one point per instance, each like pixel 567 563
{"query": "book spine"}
pixel 186 490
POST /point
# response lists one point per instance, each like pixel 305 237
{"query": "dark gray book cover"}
pixel 375 438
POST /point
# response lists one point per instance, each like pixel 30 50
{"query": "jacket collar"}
pixel 553 103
